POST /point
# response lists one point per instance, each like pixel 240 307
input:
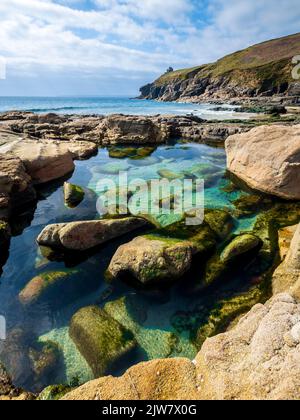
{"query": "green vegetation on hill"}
pixel 262 67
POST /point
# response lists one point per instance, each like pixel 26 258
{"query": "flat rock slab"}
pixel 267 158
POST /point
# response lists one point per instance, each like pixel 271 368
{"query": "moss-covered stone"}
pixel 220 221
pixel 170 175
pixel 247 205
pixel 100 339
pixel 226 311
pixel 156 343
pixel 44 359
pixel 73 194
pixel 44 285
pixel 54 392
pixel 119 152
pixel 240 246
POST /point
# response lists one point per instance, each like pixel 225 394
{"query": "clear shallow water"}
pixel 105 106
pixel 30 327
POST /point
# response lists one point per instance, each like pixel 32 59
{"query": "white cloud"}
pixel 133 38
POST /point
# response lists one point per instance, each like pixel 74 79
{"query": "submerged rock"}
pixel 54 393
pixel 240 246
pixel 259 359
pixel 287 276
pixel 130 152
pixel 247 205
pixel 100 339
pixel 267 159
pixel 152 260
pixel 81 236
pixel 8 391
pixel 220 221
pixel 73 194
pixel 45 284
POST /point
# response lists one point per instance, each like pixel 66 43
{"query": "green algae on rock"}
pixel 44 359
pixel 240 246
pixel 100 338
pixel 170 175
pixel 247 205
pixel 54 392
pixel 73 194
pixel 152 261
pixel 156 343
pixel 220 221
pixel 45 284
pixel 119 152
pixel 76 367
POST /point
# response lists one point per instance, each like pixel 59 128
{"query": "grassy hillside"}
pixel 269 59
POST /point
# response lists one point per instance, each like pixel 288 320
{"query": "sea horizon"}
pixel 107 105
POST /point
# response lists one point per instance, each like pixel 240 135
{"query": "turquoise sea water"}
pixel 111 105
pixel 153 322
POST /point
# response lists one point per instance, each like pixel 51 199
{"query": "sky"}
pixel 112 47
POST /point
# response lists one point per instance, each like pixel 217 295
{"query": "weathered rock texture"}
pixel 25 162
pixel 152 261
pixel 80 236
pixel 267 159
pixel 287 276
pixel 121 129
pixel 169 379
pixel 259 359
pixel 44 161
pixel 8 391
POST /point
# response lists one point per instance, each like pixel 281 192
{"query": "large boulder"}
pixel 121 129
pixel 287 276
pixel 167 379
pixel 81 236
pixel 152 260
pixel 100 339
pixel 268 159
pixel 44 161
pixel 259 359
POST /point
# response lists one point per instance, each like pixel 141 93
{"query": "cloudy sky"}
pixel 112 47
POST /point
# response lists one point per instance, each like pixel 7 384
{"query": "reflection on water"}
pixel 38 351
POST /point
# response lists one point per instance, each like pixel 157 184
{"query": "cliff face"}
pixel 262 70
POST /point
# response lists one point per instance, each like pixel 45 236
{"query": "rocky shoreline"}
pixel 37 149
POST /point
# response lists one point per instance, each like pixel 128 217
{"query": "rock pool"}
pixel 165 323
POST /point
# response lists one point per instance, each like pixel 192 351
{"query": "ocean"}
pixel 114 105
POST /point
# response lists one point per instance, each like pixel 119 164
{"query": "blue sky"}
pixel 112 47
